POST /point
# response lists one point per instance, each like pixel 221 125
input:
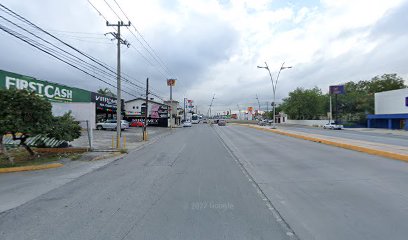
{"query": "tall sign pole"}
pixel 171 83
pixel 119 90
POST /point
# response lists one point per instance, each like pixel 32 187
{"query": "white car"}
pixel 333 126
pixel 187 124
pixel 111 124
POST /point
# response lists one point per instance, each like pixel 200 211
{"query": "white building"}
pixel 391 110
pixel 157 113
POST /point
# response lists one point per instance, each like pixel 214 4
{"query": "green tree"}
pixel 106 92
pixel 386 82
pixel 65 128
pixel 24 114
pixel 305 104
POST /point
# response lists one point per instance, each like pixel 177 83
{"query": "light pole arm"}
pixel 277 78
pixel 270 75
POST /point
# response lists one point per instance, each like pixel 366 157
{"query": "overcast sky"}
pixel 214 46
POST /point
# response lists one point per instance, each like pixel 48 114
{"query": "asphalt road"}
pixel 325 192
pixel 185 186
pixel 350 134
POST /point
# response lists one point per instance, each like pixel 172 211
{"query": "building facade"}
pixel 391 110
pixel 84 105
pixel 157 113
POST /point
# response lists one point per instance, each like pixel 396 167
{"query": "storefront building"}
pixel 157 113
pixel 84 105
pixel 391 110
pixel 105 106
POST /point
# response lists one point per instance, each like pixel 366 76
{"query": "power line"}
pixel 117 15
pixel 145 58
pixel 22 38
pixel 63 56
pixel 100 63
pixel 108 70
pixel 140 34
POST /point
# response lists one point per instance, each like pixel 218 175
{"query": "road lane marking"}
pixel 278 217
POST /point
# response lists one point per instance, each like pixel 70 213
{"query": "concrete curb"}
pixel 371 151
pixel 107 156
pixel 31 168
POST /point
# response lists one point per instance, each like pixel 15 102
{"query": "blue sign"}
pixel 339 89
pixel 406 101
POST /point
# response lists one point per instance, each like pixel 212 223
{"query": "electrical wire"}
pixel 140 34
pixel 25 21
pixel 145 58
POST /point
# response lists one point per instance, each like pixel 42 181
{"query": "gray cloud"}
pixel 193 48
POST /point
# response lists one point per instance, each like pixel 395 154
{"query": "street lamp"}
pixel 274 84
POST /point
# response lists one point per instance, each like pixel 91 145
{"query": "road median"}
pixel 383 150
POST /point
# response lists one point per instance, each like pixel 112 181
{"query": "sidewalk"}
pixel 380 149
pixel 102 139
pixel 18 188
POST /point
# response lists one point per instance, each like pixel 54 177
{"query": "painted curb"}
pixel 31 168
pixel 371 151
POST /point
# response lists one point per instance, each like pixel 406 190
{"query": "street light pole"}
pixel 274 84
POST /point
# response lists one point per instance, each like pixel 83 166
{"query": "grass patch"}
pixel 23 158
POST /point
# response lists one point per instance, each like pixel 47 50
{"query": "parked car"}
pixel 187 123
pixel 222 122
pixel 136 124
pixel 111 124
pixel 205 120
pixel 262 122
pixel 333 126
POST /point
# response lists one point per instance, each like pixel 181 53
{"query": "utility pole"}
pixel 267 106
pixel 211 103
pixel 146 103
pixel 171 106
pixel 119 90
pixel 185 109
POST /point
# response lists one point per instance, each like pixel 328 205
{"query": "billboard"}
pixel 51 91
pixel 338 89
pixel 171 82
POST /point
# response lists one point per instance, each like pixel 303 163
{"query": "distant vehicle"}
pixel 195 119
pixel 222 122
pixel 187 123
pixel 205 120
pixel 262 122
pixel 136 124
pixel 111 124
pixel 333 126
